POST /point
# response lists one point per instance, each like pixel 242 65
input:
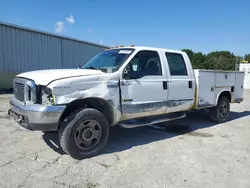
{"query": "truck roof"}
pixel 150 48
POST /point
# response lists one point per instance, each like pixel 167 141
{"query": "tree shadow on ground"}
pixel 121 139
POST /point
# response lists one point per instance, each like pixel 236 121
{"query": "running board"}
pixel 140 123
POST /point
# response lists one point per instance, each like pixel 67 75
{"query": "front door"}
pixel 143 90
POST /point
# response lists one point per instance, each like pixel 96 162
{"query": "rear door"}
pixel 181 82
pixel 145 94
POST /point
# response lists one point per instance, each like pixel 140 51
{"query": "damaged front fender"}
pixel 103 87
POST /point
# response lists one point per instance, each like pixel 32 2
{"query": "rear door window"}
pixel 176 63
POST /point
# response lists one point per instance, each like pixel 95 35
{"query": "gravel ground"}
pixel 192 152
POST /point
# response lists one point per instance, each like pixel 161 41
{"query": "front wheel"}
pixel 85 135
pixel 220 113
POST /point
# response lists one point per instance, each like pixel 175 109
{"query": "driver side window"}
pixel 145 63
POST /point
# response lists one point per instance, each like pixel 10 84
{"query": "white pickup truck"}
pixel 128 86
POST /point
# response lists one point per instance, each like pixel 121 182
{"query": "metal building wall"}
pixel 77 53
pixel 23 49
pixel 245 67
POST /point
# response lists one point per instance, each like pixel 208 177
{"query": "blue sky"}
pixel 201 25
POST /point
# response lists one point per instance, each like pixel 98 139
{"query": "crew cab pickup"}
pixel 128 86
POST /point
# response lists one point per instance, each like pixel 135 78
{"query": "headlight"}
pixel 47 97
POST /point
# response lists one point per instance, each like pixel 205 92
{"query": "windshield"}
pixel 109 61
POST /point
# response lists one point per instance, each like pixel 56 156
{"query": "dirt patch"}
pixel 199 134
pixel 91 185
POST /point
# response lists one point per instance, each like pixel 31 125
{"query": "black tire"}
pixel 45 132
pixel 220 113
pixel 72 134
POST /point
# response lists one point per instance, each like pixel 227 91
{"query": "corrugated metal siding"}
pixel 1 49
pixel 75 53
pixel 24 50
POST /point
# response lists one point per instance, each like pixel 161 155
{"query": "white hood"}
pixel 44 77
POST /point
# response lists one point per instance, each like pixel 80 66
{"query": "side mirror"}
pixel 126 73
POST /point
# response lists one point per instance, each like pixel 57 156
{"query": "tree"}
pixel 196 58
pixel 247 57
pixel 189 52
pixel 220 60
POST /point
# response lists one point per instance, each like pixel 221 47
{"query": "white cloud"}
pixel 70 19
pixel 59 26
pixel 90 30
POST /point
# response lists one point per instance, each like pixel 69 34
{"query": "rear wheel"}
pixel 85 135
pixel 220 113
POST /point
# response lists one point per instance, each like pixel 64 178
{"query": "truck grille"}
pixel 19 91
pixel 24 90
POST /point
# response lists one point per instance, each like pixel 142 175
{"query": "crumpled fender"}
pixel 105 87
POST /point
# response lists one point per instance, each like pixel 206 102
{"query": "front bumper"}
pixel 35 116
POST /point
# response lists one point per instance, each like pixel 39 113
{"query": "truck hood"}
pixel 44 77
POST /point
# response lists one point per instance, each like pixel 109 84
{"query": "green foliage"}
pixel 219 60
pixel 198 60
pixel 189 52
pixel 247 58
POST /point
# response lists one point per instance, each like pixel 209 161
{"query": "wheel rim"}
pixel 87 134
pixel 223 110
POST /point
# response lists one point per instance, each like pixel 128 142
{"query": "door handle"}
pixel 165 85
pixel 190 84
